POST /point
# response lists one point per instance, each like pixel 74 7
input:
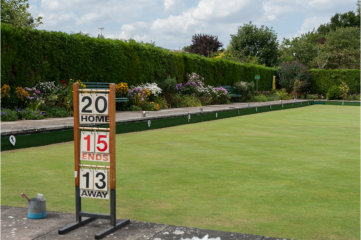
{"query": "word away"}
pixel 94 194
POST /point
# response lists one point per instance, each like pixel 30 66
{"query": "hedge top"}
pixel 30 56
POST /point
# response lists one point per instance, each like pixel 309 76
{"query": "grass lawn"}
pixel 292 174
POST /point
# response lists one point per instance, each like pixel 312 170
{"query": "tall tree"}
pixel 253 42
pixel 344 48
pixel 204 44
pixel 340 20
pixel 15 12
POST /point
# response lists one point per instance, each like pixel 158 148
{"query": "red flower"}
pixel 63 81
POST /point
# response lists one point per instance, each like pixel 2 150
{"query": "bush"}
pixel 161 102
pixel 289 72
pixel 54 111
pixel 135 108
pixel 8 115
pixel 245 89
pixel 344 89
pixel 312 96
pixel 190 101
pixel 260 98
pixel 151 106
pixel 354 97
pixel 220 96
pixel 282 94
pixel 168 87
pixel 334 93
pixel 323 79
pixel 30 114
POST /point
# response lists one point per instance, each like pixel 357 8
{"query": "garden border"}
pixel 64 135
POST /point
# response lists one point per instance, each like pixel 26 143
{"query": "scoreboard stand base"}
pixel 112 229
pixel 89 217
pixel 100 235
pixel 75 225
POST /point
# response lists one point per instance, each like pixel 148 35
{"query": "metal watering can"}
pixel 36 206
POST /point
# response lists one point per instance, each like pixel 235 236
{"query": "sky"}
pixel 172 23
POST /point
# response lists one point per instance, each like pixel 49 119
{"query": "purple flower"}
pixel 179 86
pixel 221 89
pixel 37 91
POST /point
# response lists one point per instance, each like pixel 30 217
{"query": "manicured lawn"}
pixel 292 173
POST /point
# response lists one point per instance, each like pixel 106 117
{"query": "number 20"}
pixel 100 105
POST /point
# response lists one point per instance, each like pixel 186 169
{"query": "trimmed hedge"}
pixel 322 79
pixel 30 56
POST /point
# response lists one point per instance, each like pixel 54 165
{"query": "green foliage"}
pixel 289 72
pixel 168 87
pixel 54 111
pixel 344 89
pixel 333 93
pixel 8 115
pixel 260 98
pixel 355 97
pixel 322 79
pixel 340 20
pixel 162 102
pixel 30 114
pixel 204 44
pixel 15 12
pixel 312 96
pixel 334 45
pixel 190 101
pixel 135 108
pixel 343 46
pixel 251 41
pixel 245 89
pixel 32 56
pixel 282 94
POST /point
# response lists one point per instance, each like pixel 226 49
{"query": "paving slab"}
pixel 51 124
pixel 15 225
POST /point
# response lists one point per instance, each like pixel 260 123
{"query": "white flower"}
pixel 152 87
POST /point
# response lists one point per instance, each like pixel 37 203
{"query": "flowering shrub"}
pixel 344 89
pixel 220 95
pixel 246 89
pixel 34 100
pixel 121 89
pixel 194 77
pixel 138 95
pixel 153 88
pixel 151 106
pixel 5 91
pixel 21 93
pixel 47 88
pixel 194 86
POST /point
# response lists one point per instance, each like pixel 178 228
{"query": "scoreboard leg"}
pixel 77 204
pixel 75 225
pixel 113 214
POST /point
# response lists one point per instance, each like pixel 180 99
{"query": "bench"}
pixel 230 91
pixel 101 85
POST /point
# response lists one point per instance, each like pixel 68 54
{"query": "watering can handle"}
pixel 24 196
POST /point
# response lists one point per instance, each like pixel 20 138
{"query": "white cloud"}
pixel 170 4
pixel 311 23
pixel 171 23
